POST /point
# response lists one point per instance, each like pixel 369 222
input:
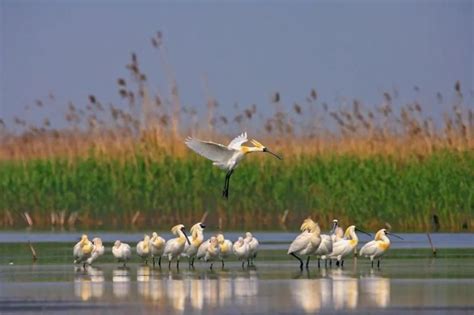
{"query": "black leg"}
pixel 153 261
pixel 307 262
pixel 169 264
pixel 330 263
pixel 177 263
pixel 372 263
pixel 319 263
pixel 342 263
pixel 211 266
pixel 159 262
pixel 222 263
pixel 325 263
pixel 337 263
pixel 243 263
pixel 378 263
pixel 301 262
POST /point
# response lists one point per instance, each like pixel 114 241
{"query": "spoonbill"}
pixel 197 237
pixel 97 251
pixel 344 247
pixel 253 245
pixel 307 242
pixel 377 247
pixel 157 246
pixel 325 247
pixel 225 247
pixel 143 248
pixel 174 247
pixel 226 157
pixel 241 250
pixel 122 252
pixel 82 250
pixel 212 251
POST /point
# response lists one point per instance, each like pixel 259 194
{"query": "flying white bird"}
pixel 174 247
pixel 344 247
pixel 226 157
pixel 197 237
pixel 157 247
pixel 82 250
pixel 307 242
pixel 122 252
pixel 377 247
pixel 97 251
pixel 143 248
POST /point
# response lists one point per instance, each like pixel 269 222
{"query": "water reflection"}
pixel 121 282
pixel 89 283
pixel 377 289
pixel 201 291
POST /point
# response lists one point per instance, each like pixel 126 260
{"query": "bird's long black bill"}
pixel 274 154
pixel 187 239
pixel 359 230
pixel 334 226
pixel 397 236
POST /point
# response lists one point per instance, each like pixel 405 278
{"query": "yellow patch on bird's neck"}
pixel 87 248
pixel 244 149
pixel 384 245
pixel 353 243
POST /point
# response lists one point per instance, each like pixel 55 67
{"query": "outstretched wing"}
pixel 213 151
pixel 238 141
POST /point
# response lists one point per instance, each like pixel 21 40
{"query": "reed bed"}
pixel 125 165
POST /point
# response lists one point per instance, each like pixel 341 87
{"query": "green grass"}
pixel 370 191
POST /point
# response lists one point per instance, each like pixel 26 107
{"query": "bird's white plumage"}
pixel 97 251
pixel 241 249
pixel 253 244
pixel 237 142
pixel 325 247
pixel 215 152
pixel 300 244
pixel 196 239
pixel 370 249
pixel 203 249
pixel 175 247
pixel 157 245
pixel 143 248
pixel 82 250
pixel 121 251
pixel 377 247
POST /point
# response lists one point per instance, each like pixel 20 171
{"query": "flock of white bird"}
pixel 336 245
pixel 217 248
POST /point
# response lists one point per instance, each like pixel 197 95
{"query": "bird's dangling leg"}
pixel 301 262
pixel 225 193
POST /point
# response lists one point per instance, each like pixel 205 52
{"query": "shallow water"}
pixel 409 281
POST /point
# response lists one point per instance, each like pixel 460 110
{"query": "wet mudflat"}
pixel 408 280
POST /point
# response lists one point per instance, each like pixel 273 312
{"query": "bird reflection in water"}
pixel 377 289
pixel 312 294
pixel 345 290
pixel 143 281
pixel 89 283
pixel 121 282
pixel 246 287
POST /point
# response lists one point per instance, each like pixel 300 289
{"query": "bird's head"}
pixel 261 148
pixel 385 232
pixel 117 244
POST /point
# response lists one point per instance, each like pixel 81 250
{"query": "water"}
pixel 408 281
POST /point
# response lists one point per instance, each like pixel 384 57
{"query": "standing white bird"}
pixel 253 246
pixel 377 247
pixel 197 237
pixel 226 157
pixel 122 252
pixel 174 247
pixel 212 251
pixel 241 249
pixel 225 247
pixel 82 250
pixel 344 247
pixel 143 248
pixel 157 247
pixel 325 248
pixel 97 251
pixel 307 242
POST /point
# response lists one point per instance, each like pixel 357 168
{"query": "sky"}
pixel 245 49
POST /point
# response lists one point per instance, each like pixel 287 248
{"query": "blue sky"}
pixel 246 49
